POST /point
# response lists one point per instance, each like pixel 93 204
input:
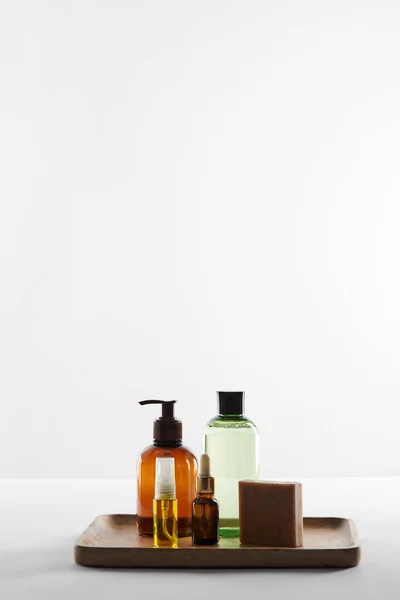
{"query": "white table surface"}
pixel 40 521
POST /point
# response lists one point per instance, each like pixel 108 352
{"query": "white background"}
pixel 199 196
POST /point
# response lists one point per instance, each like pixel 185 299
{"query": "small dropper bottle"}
pixel 205 507
pixel 165 505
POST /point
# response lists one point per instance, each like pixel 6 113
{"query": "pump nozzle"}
pixel 167 430
pixel 167 407
pixel 165 479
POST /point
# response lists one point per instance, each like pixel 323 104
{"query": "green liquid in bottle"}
pixel 231 441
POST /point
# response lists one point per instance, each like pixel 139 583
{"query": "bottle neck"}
pixel 203 495
pixel 163 444
pixel 205 486
pixel 230 417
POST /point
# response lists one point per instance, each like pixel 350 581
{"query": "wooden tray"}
pixel 113 541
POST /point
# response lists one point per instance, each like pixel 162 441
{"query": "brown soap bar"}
pixel 270 513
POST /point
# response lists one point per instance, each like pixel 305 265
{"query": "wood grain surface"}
pixel 113 541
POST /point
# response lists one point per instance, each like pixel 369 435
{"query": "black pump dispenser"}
pixel 166 429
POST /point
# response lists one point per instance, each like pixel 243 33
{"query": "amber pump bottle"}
pixel 167 434
pixel 205 507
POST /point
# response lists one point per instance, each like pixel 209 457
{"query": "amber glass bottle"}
pixel 167 434
pixel 205 507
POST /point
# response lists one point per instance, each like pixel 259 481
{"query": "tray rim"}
pixel 352 526
pixel 83 556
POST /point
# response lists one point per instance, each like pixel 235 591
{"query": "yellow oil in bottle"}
pixel 165 505
pixel 165 523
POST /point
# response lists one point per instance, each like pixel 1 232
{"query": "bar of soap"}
pixel 270 513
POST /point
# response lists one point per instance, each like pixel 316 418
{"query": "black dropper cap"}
pixel 166 429
pixel 231 403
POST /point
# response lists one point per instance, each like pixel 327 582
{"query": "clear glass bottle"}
pixel 231 441
pixel 165 505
